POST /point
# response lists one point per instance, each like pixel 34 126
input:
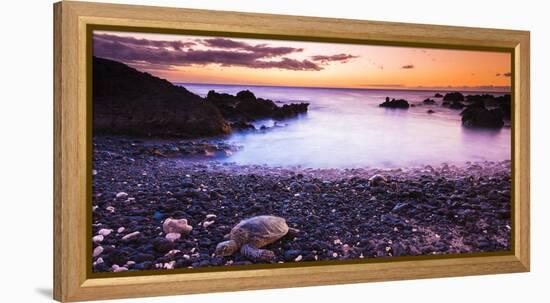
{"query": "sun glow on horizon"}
pixel 218 60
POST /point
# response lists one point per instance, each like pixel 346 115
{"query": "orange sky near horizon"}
pixel 368 66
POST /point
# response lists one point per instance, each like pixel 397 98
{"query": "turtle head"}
pixel 227 248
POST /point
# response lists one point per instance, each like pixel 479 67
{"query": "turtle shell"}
pixel 261 230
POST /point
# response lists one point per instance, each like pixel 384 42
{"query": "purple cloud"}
pixel 175 45
pixel 339 57
pixel 508 74
pixel 264 49
pixel 159 54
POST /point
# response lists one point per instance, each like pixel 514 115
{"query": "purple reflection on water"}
pixel 345 128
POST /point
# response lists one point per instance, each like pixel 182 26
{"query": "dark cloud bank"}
pixel 160 54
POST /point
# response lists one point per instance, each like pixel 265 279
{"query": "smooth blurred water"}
pixel 345 128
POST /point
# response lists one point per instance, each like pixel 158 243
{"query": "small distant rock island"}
pixel 393 103
pixel 130 102
pixel 478 111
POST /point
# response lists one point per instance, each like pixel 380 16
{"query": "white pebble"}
pixel 209 216
pixel 207 223
pixel 97 239
pixel 173 252
pixel 94 172
pixel 172 236
pixel 98 261
pixel 169 265
pixel 176 226
pixel 337 242
pixel 131 235
pixel 130 263
pixel 110 208
pixel 298 259
pixel 104 232
pixel 117 268
pixel 121 195
pixel 97 251
pixel 120 230
pixel 334 255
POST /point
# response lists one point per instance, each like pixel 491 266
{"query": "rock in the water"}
pixel 456 105
pixel 176 226
pixel 430 111
pixel 245 106
pixel 456 96
pixel 393 103
pixel 476 116
pixel 242 125
pixel 438 95
pixel 428 101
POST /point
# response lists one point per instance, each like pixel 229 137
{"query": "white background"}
pixel 26 149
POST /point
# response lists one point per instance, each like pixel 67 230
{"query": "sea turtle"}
pixel 251 234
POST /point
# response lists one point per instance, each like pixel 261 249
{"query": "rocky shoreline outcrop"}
pixel 244 106
pixel 129 102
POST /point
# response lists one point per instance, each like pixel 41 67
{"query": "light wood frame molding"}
pixel 71 130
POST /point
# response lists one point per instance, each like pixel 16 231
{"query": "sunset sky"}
pixel 219 60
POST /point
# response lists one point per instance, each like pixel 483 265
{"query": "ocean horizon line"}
pixel 470 90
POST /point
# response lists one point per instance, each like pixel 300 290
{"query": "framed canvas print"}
pixel 201 151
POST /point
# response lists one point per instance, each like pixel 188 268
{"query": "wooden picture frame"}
pixel 72 21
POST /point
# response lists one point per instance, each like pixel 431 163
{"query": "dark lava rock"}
pixel 456 105
pixel 429 111
pixel 162 245
pixel 456 96
pixel 143 266
pixel 438 95
pixel 290 110
pixel 245 106
pixel 127 101
pixel 139 258
pixel 400 207
pixel 311 188
pixel 393 103
pixel 242 125
pixel 480 117
pixel 205 242
pixel 295 186
pixel 292 254
pixel 428 101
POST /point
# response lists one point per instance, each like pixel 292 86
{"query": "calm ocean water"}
pixel 345 128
